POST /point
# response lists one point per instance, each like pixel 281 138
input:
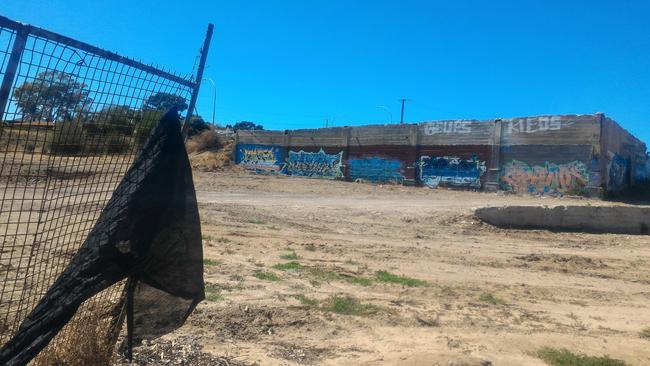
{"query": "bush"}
pixel 68 138
pixel 145 123
pixel 117 144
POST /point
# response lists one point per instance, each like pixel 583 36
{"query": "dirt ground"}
pixel 491 296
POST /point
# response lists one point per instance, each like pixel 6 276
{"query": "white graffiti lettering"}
pixel 534 124
pixel 435 128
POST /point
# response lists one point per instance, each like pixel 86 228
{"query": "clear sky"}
pixel 292 64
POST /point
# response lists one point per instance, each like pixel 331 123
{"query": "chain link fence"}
pixel 72 119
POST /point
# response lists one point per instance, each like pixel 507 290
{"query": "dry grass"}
pixel 84 341
pixel 207 140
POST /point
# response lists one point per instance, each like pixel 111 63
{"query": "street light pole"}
pixel 387 110
pixel 214 99
pixel 401 120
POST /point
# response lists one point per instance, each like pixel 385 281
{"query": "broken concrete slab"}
pixel 592 219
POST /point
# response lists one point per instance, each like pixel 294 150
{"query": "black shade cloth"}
pixel 149 232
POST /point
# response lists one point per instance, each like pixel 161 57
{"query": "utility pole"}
pixel 401 120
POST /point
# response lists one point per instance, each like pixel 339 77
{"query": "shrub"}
pixel 117 144
pixel 145 123
pixel 68 138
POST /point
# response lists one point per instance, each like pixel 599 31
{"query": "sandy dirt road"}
pixel 296 275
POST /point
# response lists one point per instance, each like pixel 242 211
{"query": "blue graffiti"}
pixel 376 170
pixel 617 173
pixel 642 170
pixel 259 158
pixel 449 170
pixel 314 164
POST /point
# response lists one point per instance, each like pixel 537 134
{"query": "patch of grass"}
pixel 347 305
pixel 491 299
pixel 224 240
pixel 361 281
pixel 322 275
pixel 564 357
pixel 290 256
pixel 307 301
pixel 236 277
pixel 213 293
pixel 273 227
pixel 290 266
pixel 645 333
pixel 266 276
pixel 211 262
pixel 310 247
pixel 256 222
pixel 207 237
pixel 384 276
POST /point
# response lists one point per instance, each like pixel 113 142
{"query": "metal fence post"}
pixel 199 78
pixel 12 67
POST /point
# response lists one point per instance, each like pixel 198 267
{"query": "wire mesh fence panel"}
pixel 74 119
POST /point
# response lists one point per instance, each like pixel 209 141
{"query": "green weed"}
pixel 211 262
pixel 290 266
pixel 267 276
pixel 307 301
pixel 290 256
pixel 347 305
pixel 310 247
pixel 491 299
pixel 564 357
pixel 645 333
pixel 213 293
pixel 384 276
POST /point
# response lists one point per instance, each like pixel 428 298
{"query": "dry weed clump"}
pixel 209 156
pixel 205 141
pixel 86 340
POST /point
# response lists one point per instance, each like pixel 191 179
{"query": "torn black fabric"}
pixel 149 230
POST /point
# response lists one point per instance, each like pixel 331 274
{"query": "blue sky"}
pixel 292 64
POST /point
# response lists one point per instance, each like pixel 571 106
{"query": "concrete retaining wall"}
pixel 547 155
pixel 619 219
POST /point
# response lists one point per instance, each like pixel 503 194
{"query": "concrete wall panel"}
pixel 548 170
pixel 381 163
pixel 551 130
pixel 383 135
pixel 459 166
pixel 461 132
pixel 260 158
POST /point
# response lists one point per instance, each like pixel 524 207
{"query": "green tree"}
pixel 52 96
pixel 164 101
pixel 197 125
pixel 247 125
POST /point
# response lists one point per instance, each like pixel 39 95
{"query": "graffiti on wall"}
pixel 376 169
pixel 642 170
pixel 261 158
pixel 435 128
pixel 617 173
pixel 550 178
pixel 314 164
pixel 535 124
pixel 450 170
